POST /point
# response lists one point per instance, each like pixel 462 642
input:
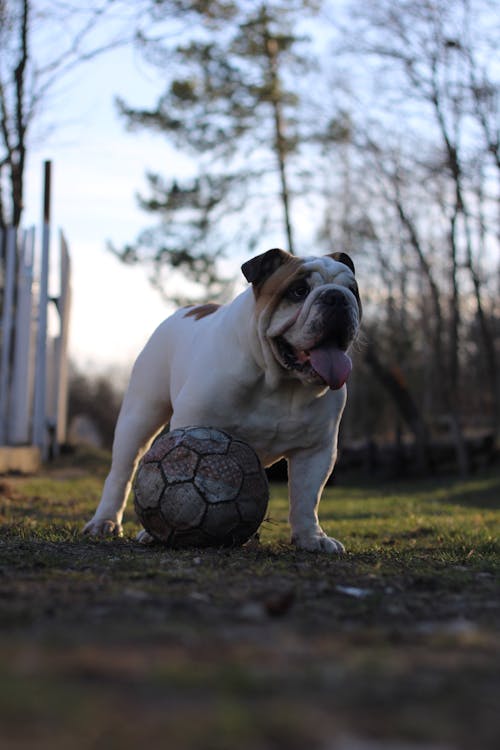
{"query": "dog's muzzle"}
pixel 337 322
pixel 331 331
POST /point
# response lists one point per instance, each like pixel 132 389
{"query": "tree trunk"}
pixel 279 136
pixel 17 163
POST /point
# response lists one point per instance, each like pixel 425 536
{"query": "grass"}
pixel 110 644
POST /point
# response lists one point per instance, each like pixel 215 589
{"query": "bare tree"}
pixel 234 100
pixel 14 118
pixel 32 63
pixel 431 151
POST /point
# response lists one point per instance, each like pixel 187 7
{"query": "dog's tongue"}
pixel 332 364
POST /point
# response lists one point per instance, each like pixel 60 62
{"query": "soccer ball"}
pixel 200 487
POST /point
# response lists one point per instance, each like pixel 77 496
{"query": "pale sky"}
pixel 97 169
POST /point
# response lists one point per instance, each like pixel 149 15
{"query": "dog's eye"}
pixel 298 291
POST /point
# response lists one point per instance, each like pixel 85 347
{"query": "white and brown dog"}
pixel 269 368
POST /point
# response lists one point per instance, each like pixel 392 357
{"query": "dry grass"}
pixel 109 644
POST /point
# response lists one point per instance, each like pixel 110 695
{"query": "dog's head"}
pixel 308 313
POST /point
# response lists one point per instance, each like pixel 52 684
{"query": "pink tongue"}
pixel 332 364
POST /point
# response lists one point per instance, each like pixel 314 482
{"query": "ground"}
pixel 392 647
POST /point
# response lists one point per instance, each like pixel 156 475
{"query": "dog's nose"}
pixel 334 298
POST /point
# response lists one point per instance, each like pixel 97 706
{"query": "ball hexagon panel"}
pixel 179 465
pixel 163 445
pixel 221 519
pixel 156 526
pixel 206 440
pixel 245 456
pixel 182 506
pixel 149 485
pixel 253 497
pixel 219 478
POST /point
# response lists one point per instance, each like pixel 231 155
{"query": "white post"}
pixel 39 416
pixel 22 369
pixel 7 328
pixel 61 348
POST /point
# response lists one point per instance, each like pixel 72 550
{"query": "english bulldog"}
pixel 269 368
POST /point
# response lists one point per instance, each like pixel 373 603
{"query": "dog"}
pixel 270 368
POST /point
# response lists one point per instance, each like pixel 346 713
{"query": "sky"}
pixel 97 168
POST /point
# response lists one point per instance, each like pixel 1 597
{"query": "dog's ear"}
pixel 258 269
pixel 343 258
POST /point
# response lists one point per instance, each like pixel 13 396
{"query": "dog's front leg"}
pixel 138 423
pixel 308 472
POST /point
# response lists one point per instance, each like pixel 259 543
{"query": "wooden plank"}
pixel 22 370
pixel 7 329
pixel 61 375
pixel 40 432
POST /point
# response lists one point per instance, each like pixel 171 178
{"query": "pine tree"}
pixel 233 103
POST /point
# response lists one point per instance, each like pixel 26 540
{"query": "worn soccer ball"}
pixel 200 487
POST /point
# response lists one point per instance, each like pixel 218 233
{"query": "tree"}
pixel 41 42
pixel 432 152
pixel 232 103
pixel 14 23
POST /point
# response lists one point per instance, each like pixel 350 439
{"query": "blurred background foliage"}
pixel 370 128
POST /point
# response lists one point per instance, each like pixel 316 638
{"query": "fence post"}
pixel 33 357
pixel 40 393
pixel 7 328
pixel 22 367
pixel 59 386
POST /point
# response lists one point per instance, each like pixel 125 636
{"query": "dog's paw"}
pixel 318 541
pixel 144 537
pixel 102 527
